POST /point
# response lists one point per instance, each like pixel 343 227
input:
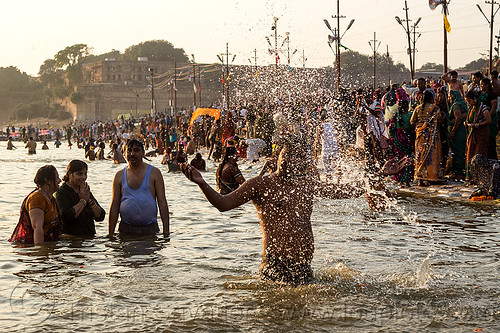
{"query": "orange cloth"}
pixel 204 111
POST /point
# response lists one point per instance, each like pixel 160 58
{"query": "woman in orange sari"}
pixel 426 118
pixel 478 130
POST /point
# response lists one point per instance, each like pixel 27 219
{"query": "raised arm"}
pixel 223 203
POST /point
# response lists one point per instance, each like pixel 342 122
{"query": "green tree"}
pixel 155 50
pixel 71 55
pixel 17 87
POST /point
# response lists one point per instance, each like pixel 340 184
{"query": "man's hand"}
pixel 191 173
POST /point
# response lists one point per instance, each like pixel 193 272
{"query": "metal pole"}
pixel 288 46
pixel 227 76
pixel 194 85
pixel 374 58
pixel 493 3
pixel 338 46
pixel 388 66
pixel 276 40
pixel 153 104
pixel 414 43
pixel 175 86
pixel 445 40
pixel 409 40
pixel 199 86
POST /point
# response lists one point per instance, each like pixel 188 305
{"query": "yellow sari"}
pixel 427 143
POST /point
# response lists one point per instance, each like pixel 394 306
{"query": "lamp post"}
pixel 490 22
pixel 153 104
pixel 415 38
pixel 226 80
pixel 337 38
pixel 407 30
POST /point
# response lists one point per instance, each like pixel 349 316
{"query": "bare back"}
pixel 284 208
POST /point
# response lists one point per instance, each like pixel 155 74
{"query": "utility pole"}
pixel 409 42
pixel 194 83
pixel 275 28
pixel 227 76
pixel 491 21
pixel 199 86
pixel 415 38
pixel 388 65
pixel 255 61
pixel 374 48
pixel 338 17
pixel 445 40
pixel 153 104
pixel 136 103
pixel 407 30
pixel 304 59
pixel 498 44
pixel 175 86
pixel 338 38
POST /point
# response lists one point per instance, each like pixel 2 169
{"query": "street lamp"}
pixel 407 30
pixel 337 38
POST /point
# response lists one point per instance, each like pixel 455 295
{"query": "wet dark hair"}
pixel 478 75
pixel 471 94
pixel 494 74
pixel 45 174
pixel 487 82
pixel 454 73
pixel 428 97
pixel 230 152
pixel 198 156
pixel 135 142
pixel 74 166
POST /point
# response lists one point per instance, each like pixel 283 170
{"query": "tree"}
pixel 156 50
pixel 71 55
pixel 49 74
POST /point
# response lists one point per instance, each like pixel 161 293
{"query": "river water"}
pixel 427 265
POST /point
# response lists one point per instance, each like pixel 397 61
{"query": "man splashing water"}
pixel 284 203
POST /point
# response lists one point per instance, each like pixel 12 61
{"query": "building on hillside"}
pixel 114 87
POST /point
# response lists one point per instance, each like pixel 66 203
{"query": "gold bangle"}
pixel 83 202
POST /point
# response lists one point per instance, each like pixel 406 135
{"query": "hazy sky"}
pixel 33 31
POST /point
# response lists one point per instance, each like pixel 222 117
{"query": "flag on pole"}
pixel 434 3
pixel 447 25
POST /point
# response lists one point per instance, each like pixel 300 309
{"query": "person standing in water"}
pixel 284 202
pixel 137 189
pixel 31 145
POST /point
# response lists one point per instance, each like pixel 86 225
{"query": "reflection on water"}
pixel 425 265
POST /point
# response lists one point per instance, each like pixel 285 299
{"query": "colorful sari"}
pixel 477 138
pixel 427 143
pixel 402 141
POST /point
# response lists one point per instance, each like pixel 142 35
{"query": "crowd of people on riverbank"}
pixel 440 124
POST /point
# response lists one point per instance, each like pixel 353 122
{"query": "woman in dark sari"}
pixel 478 130
pixel 457 133
pixel 402 137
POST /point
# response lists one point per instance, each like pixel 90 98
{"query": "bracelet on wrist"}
pixel 83 202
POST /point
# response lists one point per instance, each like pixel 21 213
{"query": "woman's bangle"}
pixel 83 202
